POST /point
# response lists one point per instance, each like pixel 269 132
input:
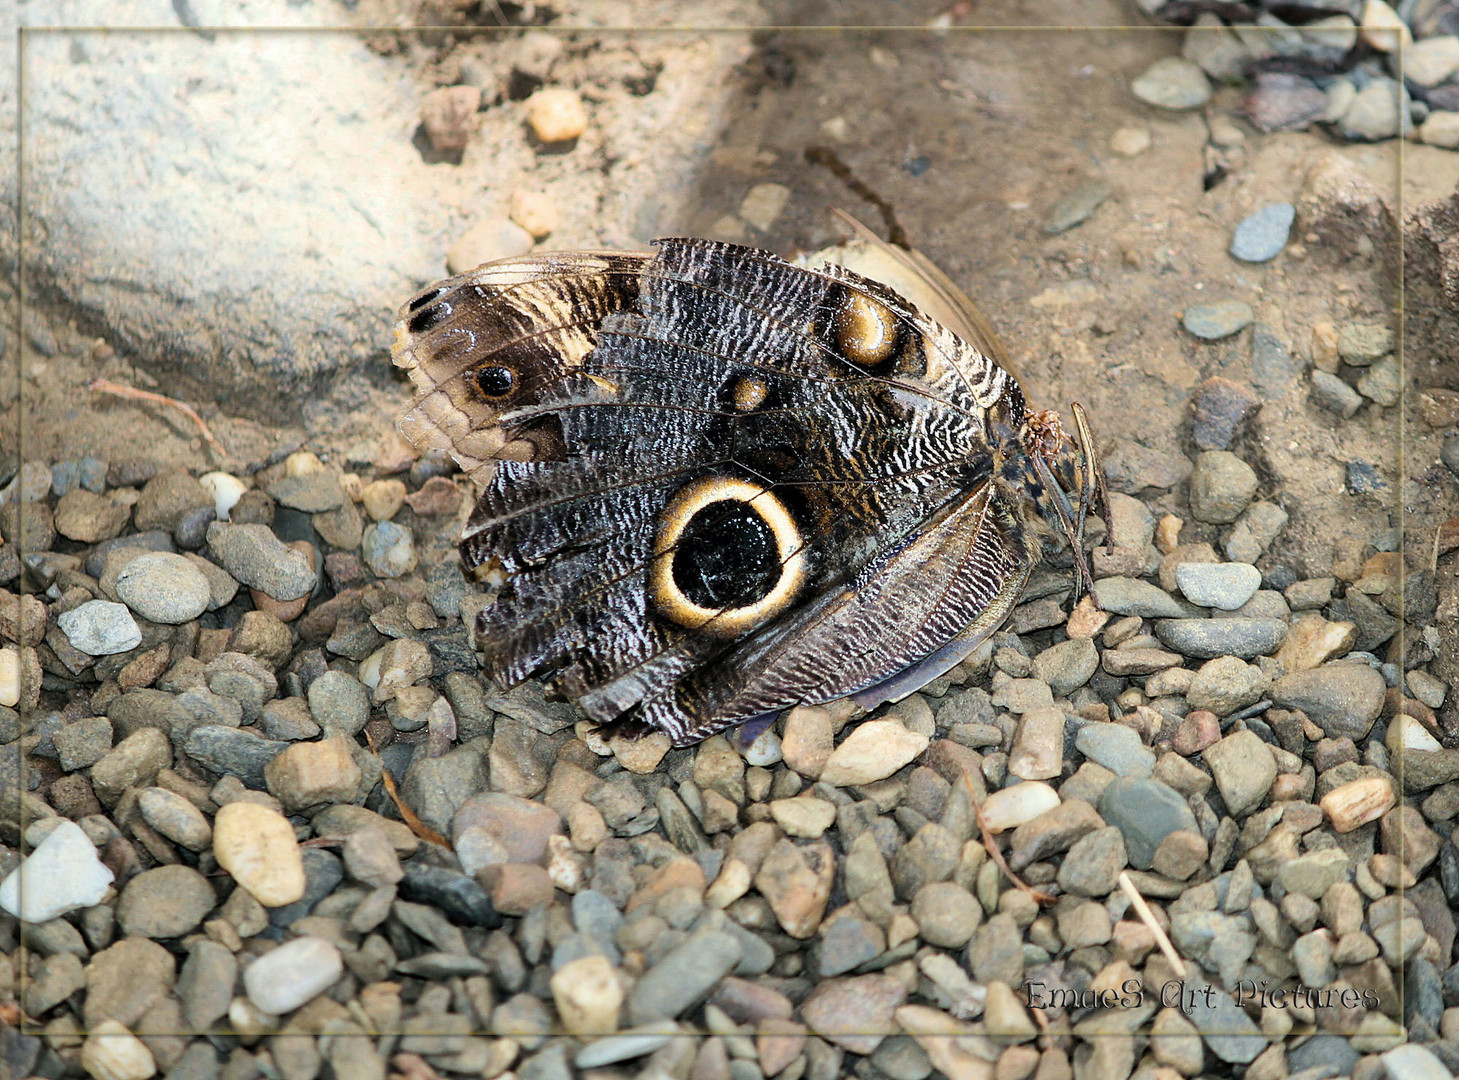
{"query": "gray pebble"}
pixel 388 549
pixel 1332 1054
pixel 175 818
pixel 625 1045
pixel 1449 453
pixel 1145 811
pixel 1334 395
pixel 83 742
pixel 259 559
pixel 191 532
pixel 1117 747
pixel 1067 665
pixel 1173 83
pixel 1221 487
pixel 1218 585
pixel 683 977
pixel 1378 111
pixel 1214 321
pixel 1360 344
pixel 1262 235
pixel 1220 407
pixel 1363 478
pixel 313 493
pixel 1343 699
pixel 205 984
pixel 149 541
pixel 167 902
pixel 1092 865
pixel 1131 596
pixel 1382 383
pixel 339 703
pixel 1272 367
pixel 1254 531
pixel 164 588
pixel 1076 207
pixel 100 628
pixel 1206 639
pixel 848 943
pixel 230 751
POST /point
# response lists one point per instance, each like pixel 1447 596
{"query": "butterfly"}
pixel 716 485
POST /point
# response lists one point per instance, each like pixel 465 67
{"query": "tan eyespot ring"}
pixel 866 330
pixel 665 592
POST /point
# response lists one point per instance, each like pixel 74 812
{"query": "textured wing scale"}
pixel 628 367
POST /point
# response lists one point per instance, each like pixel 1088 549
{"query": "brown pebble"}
pixel 1086 620
pixel 448 115
pixel 556 115
pixel 1324 348
pixel 1199 729
pixel 145 669
pixel 1167 533
pixel 517 888
pixel 438 496
pixel 1439 407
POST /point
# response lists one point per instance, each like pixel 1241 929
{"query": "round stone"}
pixel 339 703
pixel 388 549
pixel 111 1052
pixel 175 818
pixel 1221 486
pixel 1226 684
pixel 946 914
pixel 278 982
pixel 556 114
pixel 164 588
pixel 1146 812
pixel 1262 235
pixel 167 902
pixel 1226 586
pixel 88 518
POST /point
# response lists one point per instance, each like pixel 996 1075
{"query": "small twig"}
pixel 106 386
pixel 991 845
pixel 407 815
pixel 1147 916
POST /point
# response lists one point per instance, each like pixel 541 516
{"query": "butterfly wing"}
pixel 764 485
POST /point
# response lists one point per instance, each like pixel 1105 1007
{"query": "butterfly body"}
pixel 716 485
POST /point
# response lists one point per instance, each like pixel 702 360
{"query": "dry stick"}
pixel 991 846
pixel 106 386
pixel 1142 909
pixel 407 815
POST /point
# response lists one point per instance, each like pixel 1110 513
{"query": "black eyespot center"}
pixel 726 557
pixel 496 382
pixel 429 317
pixel 424 298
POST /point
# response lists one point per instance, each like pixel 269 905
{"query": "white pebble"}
pixel 111 1052
pixel 256 844
pixel 763 204
pixel 302 463
pixel 63 874
pixel 9 676
pixel 298 971
pixel 1012 806
pixel 100 628
pixel 225 489
pixel 765 750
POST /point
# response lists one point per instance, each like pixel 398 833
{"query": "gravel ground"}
pixel 218 690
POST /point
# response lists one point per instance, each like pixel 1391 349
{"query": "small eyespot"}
pixel 866 330
pixel 749 393
pixel 495 382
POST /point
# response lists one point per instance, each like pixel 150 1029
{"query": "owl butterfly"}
pixel 716 485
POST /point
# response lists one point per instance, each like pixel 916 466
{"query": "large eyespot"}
pixel 867 332
pixel 727 557
pixel 496 382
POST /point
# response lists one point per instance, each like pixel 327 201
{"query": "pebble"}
pixel 1145 811
pixel 1343 699
pixel 534 211
pixel 1335 395
pixel 256 845
pixel 588 996
pixel 388 549
pixel 225 489
pixel 306 774
pixel 163 588
pixel 1226 586
pixel 1244 768
pixel 1226 684
pixel 1432 61
pixel 1076 208
pixel 100 628
pixel 1017 804
pixel 873 751
pixel 111 1052
pixel 1440 128
pixel 1380 110
pixel 63 874
pixel 1359 344
pixel 166 902
pixel 520 827
pixel 855 1012
pixel 1221 405
pixel 1261 236
pixel 1206 639
pixel 175 818
pixel 287 977
pixel 1131 596
pixel 1117 747
pixel 1092 865
pixel 88 518
pixel 763 204
pixel 382 499
pixel 257 558
pixel 1273 368
pixel 795 880
pixel 556 115
pixel 684 976
pixel 1221 487
pixel 1383 28
pixel 1130 141
pixel 448 115
pixel 1173 83
pixel 1382 383
pixel 626 1045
